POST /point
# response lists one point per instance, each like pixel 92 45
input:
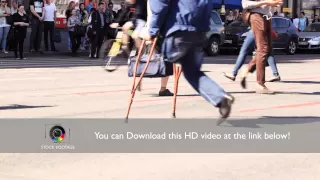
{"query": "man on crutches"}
pixel 183 24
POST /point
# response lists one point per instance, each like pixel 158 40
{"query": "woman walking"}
pixel 75 39
pixel 20 22
pixel 4 26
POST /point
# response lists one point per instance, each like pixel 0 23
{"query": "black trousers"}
pixel 48 28
pixel 18 42
pixel 36 34
pixel 97 42
pixel 75 42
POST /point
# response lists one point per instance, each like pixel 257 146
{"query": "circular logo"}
pixel 57 134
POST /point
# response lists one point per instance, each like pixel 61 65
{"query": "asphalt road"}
pixel 50 86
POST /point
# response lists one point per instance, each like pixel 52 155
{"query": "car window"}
pixel 282 23
pixel 215 18
pixel 312 28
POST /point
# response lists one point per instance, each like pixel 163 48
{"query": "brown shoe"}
pixel 264 90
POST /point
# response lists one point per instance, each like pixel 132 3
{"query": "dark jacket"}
pixel 96 21
pixel 169 16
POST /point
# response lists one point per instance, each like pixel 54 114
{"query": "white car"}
pixel 310 37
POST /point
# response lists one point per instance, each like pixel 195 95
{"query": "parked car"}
pixel 215 35
pixel 287 39
pixel 310 37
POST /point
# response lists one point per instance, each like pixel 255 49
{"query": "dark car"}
pixel 287 40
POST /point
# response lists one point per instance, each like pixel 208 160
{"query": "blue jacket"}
pixel 169 16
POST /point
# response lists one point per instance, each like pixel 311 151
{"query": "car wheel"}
pixel 213 47
pixel 291 48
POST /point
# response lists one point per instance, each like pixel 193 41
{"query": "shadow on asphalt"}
pixel 301 82
pixel 18 106
pixel 276 92
pixel 270 120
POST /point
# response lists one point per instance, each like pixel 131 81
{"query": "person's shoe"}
pixel 166 92
pixel 17 58
pixel 32 50
pixel 229 76
pixel 23 58
pixel 225 108
pixel 275 78
pixel 264 90
pixel 4 51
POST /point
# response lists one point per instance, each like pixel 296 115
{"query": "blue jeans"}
pixel 186 48
pixel 3 36
pixel 248 47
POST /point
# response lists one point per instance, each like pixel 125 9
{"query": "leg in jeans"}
pixel 45 34
pixel 4 38
pixel 187 49
pixel 246 48
pixel 273 65
pixel 1 34
pixel 51 31
pixel 34 28
pixel 262 33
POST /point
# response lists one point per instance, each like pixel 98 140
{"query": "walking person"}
pixel 49 24
pixel 75 39
pixel 248 47
pixel 4 25
pixel 99 26
pixel 20 22
pixel 36 8
pixel 184 24
pixel 260 22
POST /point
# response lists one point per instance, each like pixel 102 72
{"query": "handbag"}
pixel 156 68
pixel 57 36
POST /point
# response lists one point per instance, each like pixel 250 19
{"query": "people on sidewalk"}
pixel 184 25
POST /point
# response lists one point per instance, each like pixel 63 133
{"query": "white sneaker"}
pixel 4 51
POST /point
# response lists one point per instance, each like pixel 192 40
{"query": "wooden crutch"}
pixel 135 85
pixel 177 73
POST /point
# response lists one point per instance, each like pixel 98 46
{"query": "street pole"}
pixel 294 8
